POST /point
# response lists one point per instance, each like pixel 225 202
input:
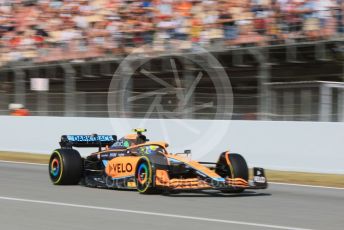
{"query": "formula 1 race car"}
pixel 134 162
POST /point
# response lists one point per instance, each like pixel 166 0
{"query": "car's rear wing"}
pixel 69 141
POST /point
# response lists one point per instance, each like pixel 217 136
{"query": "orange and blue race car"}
pixel 134 162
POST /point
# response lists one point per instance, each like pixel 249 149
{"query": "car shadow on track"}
pixel 200 193
pixel 216 194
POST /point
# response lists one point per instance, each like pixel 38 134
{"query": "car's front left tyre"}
pixel 144 177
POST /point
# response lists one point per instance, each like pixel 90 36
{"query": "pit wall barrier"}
pixel 293 146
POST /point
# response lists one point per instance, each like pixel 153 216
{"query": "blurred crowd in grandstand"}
pixel 52 30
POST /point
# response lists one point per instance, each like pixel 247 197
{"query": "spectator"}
pixel 310 17
pixel 228 24
pixel 18 110
pixel 52 30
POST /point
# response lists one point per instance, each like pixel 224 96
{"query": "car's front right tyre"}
pixel 235 168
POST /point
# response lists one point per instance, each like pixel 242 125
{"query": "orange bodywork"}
pixel 237 182
pixel 131 136
pixel 162 179
pixel 195 165
pixel 122 166
pixel 160 143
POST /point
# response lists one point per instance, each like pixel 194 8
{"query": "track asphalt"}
pixel 29 201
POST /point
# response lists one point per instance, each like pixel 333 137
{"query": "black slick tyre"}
pixel 144 177
pixel 65 167
pixel 236 169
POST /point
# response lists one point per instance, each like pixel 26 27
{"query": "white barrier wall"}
pixel 296 146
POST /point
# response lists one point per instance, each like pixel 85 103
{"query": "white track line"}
pixel 306 185
pixel 23 163
pixel 277 183
pixel 151 213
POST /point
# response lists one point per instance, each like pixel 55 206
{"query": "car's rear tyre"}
pixel 236 169
pixel 65 167
pixel 144 177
